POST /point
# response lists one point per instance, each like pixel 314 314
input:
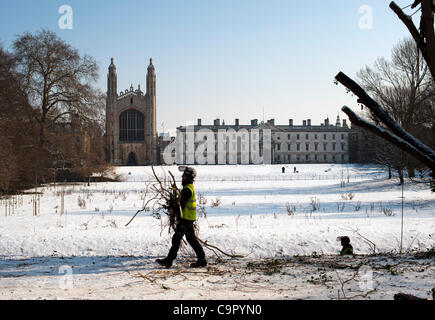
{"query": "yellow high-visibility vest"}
pixel 189 211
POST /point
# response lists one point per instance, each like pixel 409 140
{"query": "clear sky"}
pixel 224 59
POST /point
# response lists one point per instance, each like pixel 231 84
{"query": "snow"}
pixel 91 240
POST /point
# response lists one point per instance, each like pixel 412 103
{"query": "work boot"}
pixel 199 264
pixel 164 262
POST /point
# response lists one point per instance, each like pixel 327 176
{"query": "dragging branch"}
pixel 211 247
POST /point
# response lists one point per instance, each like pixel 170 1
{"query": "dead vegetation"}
pixel 307 277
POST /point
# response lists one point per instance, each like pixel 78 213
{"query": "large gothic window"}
pixel 131 126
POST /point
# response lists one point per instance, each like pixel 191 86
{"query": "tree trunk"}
pixel 425 43
pixel 432 181
pixel 400 172
pixel 41 135
pixel 427 24
pixel 411 171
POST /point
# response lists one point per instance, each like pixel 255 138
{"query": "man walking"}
pixel 185 222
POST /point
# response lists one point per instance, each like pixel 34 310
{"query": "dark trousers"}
pixel 185 227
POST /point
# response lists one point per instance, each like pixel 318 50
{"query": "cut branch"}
pixel 209 246
pixel 385 134
pixel 407 21
pixel 397 130
pixel 141 210
pixel 360 235
pixel 425 39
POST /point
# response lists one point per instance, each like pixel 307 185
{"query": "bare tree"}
pixel 18 160
pixel 57 80
pixel 404 88
pixel 59 84
pixel 395 134
pixel 50 112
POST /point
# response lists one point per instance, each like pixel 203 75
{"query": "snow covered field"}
pixel 269 216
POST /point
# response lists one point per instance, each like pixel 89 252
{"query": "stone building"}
pixel 131 136
pixel 245 144
pixel 307 143
pixel 363 146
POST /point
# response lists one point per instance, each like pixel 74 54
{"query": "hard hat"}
pixel 188 171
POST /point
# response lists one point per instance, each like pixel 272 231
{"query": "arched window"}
pixel 131 126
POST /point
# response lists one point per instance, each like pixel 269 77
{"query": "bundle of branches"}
pixel 165 195
pixel 165 199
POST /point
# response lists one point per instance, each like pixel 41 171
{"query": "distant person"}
pixel 185 222
pixel 347 248
pixel 283 169
pixel 294 170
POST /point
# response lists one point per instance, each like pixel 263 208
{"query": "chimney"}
pixel 344 123
pixel 290 122
pixel 304 123
pixel 254 122
pixel 237 122
pixel 199 122
pixel 309 122
pixel 217 122
pixel 271 121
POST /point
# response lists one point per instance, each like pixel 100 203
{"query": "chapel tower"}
pixel 131 136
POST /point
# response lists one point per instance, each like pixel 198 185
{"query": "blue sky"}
pixel 223 59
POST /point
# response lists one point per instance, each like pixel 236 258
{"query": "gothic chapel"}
pixel 131 134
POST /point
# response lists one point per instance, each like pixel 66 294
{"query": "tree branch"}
pixel 385 134
pixel 365 99
pixel 407 21
pixel 427 25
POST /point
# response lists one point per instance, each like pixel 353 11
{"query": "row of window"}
pixel 289 147
pixel 289 136
pixel 315 135
pixel 307 146
pixel 309 157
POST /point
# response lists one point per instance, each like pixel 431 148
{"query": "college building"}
pixel 131 136
pixel 265 142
